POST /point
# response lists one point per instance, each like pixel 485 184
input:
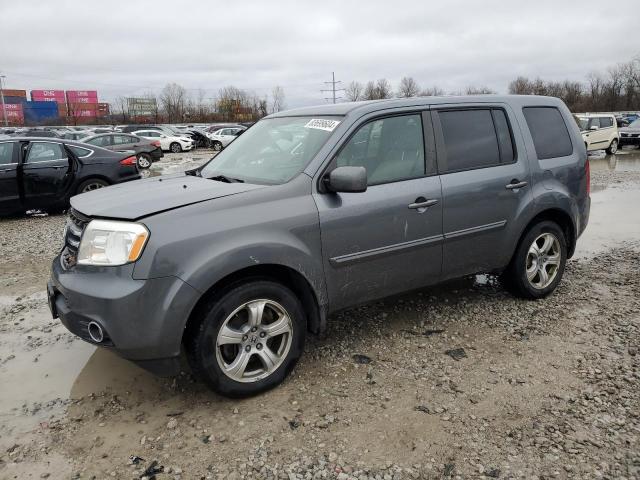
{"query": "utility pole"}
pixel 4 111
pixel 333 89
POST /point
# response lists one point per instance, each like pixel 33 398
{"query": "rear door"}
pixel 9 191
pixel 124 142
pixel 46 173
pixel 387 239
pixel 485 184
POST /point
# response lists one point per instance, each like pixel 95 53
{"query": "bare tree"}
pixel 173 99
pixel 354 91
pixel 471 90
pixel 408 88
pixel 378 90
pixel 277 99
pixel 432 92
pixel 520 86
pixel 122 108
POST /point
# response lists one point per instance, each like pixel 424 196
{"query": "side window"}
pixel 44 152
pixel 469 139
pixel 594 122
pixel 548 131
pixel 606 122
pixel 121 139
pixel 505 140
pixel 6 153
pixel 391 149
pixel 79 151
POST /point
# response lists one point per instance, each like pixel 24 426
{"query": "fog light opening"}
pixel 95 332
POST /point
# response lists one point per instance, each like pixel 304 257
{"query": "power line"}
pixel 333 89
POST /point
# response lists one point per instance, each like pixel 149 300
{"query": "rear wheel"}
pixel 613 148
pixel 144 161
pixel 91 184
pixel 217 146
pixel 248 339
pixel 175 147
pixel 538 264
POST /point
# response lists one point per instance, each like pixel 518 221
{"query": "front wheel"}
pixel 175 147
pixel 613 148
pixel 538 264
pixel 249 339
pixel 144 161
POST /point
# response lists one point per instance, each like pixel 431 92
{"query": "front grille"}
pixel 76 223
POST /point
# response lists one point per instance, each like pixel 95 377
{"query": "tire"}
pixel 524 277
pixel 613 148
pixel 144 161
pixel 245 364
pixel 217 146
pixel 91 184
pixel 175 147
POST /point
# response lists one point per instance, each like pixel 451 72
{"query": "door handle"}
pixel 423 204
pixel 515 184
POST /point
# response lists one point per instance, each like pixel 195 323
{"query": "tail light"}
pixel 128 161
pixel 588 175
pixel 156 143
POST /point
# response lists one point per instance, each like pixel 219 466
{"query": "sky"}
pixel 130 48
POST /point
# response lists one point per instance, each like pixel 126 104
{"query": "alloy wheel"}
pixel 543 260
pixel 143 161
pixel 254 340
pixel 89 187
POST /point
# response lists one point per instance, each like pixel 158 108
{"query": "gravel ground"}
pixel 460 381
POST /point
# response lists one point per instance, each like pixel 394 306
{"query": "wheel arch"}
pixel 287 276
pixel 93 176
pixel 558 216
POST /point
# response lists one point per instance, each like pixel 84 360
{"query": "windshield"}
pixel 273 151
pixel 582 122
pixel 635 124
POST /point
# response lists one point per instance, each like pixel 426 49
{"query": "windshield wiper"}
pixel 223 178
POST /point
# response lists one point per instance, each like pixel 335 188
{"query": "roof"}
pixel 374 105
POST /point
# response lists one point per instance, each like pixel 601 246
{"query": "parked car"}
pixel 316 210
pixel 75 135
pixel 630 135
pixel 39 133
pixel 169 143
pixel 135 128
pixel 218 126
pixel 147 151
pixel 599 132
pixel 200 138
pixel 43 172
pixel 223 137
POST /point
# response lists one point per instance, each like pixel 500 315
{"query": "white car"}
pixel 599 132
pixel 168 143
pixel 223 137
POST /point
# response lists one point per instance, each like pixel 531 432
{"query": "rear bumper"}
pixel 156 154
pixel 142 320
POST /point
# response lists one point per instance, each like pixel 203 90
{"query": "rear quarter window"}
pixel 548 131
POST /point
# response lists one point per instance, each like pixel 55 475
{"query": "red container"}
pixel 82 96
pixel 15 114
pixel 47 96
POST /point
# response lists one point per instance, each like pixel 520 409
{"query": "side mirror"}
pixel 347 180
pixel 593 127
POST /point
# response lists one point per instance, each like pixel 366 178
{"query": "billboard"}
pixel 48 96
pixel 14 112
pixel 142 107
pixel 82 96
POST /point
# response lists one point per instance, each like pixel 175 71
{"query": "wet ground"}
pixel 56 387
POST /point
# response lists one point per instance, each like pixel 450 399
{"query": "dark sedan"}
pixel 44 173
pixel 630 135
pixel 147 151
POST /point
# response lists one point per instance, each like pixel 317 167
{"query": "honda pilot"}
pixel 315 210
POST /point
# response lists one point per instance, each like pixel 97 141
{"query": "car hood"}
pixel 141 198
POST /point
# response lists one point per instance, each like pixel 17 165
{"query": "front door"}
pixel 485 184
pixel 387 239
pixel 9 191
pixel 46 173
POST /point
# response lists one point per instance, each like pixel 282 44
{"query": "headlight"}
pixel 106 242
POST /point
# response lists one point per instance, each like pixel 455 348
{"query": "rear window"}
pixel 549 132
pixel 606 122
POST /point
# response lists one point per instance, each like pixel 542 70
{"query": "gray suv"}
pixel 315 210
